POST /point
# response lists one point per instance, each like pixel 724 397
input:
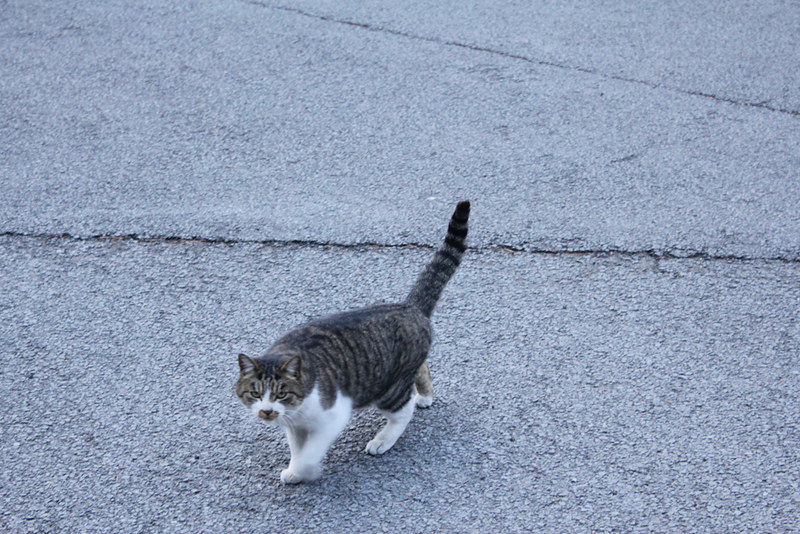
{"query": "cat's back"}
pixel 372 323
pixel 366 354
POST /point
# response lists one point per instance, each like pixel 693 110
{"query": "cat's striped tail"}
pixel 437 273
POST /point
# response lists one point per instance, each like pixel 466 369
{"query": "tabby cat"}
pixel 312 378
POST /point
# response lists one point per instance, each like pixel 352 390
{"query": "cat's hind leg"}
pixel 397 422
pixel 423 384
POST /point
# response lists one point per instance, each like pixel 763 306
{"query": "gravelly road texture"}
pixel 574 393
pixel 180 182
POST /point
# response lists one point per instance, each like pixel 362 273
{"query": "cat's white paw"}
pixel 423 401
pixel 292 476
pixel 378 446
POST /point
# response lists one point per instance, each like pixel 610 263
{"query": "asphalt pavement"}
pixel 181 182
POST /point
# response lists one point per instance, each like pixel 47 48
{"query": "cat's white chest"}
pixel 311 430
pixel 312 415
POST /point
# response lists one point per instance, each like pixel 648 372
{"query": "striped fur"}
pixel 426 292
pixel 313 376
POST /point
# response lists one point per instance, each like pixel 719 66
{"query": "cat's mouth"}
pixel 268 415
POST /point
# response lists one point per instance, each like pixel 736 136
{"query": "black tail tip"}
pixel 462 210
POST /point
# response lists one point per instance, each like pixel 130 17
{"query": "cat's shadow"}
pixel 422 447
pixel 415 455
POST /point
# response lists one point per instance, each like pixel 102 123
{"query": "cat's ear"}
pixel 248 365
pixel 291 367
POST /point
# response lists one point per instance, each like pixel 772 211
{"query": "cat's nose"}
pixel 268 415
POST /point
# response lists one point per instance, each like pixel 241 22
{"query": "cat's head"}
pixel 272 389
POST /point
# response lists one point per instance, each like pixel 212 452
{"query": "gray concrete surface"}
pixel 180 182
pixel 247 121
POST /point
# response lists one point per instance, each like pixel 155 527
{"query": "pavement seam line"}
pixel 522 248
pixel 509 55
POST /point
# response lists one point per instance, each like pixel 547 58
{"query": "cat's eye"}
pixel 280 395
pixel 255 394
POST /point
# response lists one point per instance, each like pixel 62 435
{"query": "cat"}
pixel 313 377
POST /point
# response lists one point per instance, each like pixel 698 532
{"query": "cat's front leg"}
pixel 307 455
pixel 299 469
pixel 309 446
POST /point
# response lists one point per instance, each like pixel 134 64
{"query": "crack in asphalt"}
pixel 510 55
pixel 520 248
